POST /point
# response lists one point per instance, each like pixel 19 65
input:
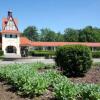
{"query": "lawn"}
pixel 40 81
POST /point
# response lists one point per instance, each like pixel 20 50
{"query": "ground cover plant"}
pixel 29 81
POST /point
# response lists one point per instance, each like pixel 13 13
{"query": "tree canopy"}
pixel 87 34
pixel 31 33
pixel 71 35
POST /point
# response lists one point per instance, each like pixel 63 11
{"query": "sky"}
pixel 54 14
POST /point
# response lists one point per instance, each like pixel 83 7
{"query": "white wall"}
pixel 11 42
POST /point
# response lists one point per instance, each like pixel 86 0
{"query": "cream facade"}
pixel 11 45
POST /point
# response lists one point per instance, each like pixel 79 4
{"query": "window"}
pixel 7 36
pixel 10 36
pixel 14 36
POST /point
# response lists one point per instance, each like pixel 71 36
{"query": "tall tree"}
pixel 59 37
pixel 89 34
pixel 47 35
pixel 31 33
pixel 71 35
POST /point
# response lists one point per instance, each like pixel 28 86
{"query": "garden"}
pixel 74 77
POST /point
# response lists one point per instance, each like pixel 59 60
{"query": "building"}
pixel 12 43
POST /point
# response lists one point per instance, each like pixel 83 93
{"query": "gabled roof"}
pixel 6 22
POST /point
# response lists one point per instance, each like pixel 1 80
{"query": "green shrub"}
pixel 31 53
pixel 96 54
pixel 74 59
pixel 1 53
pixel 46 54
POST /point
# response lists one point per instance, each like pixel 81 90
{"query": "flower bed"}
pixel 28 81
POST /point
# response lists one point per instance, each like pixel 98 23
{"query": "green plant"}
pixel 26 79
pixel 88 92
pixel 45 53
pixel 1 53
pixel 31 53
pixel 69 91
pixel 74 59
pixel 96 54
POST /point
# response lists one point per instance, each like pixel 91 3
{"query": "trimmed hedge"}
pixel 1 53
pixel 96 54
pixel 42 53
pixel 74 60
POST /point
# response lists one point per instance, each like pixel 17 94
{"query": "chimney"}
pixel 9 13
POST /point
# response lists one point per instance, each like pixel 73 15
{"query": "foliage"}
pixel 1 53
pixel 59 37
pixel 31 33
pixel 42 53
pixel 69 91
pixel 89 92
pixel 96 54
pixel 71 35
pixel 87 34
pixel 26 79
pixel 74 59
pixel 47 35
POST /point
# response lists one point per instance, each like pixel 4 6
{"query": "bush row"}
pixel 1 53
pixel 42 53
pixel 96 54
pixel 29 82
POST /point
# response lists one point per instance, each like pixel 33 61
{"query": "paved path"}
pixel 96 60
pixel 46 61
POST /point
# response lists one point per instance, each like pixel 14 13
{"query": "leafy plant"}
pixel 28 81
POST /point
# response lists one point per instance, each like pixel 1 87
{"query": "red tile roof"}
pixel 10 32
pixel 24 41
pixel 64 43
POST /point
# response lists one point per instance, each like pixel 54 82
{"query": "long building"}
pixel 11 41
